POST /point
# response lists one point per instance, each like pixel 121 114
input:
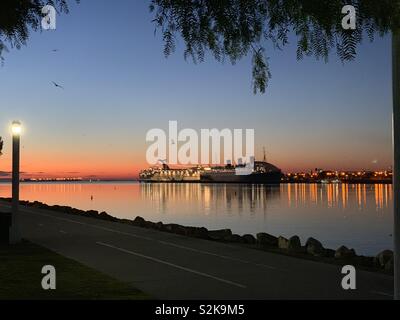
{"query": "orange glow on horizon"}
pixel 42 161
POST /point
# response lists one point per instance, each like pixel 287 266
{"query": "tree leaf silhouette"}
pixel 234 29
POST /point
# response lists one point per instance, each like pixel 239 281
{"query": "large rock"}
pixel 202 233
pixel 196 232
pixel 159 226
pixel 175 228
pixel 67 209
pixel 344 253
pixel 139 221
pixel 76 211
pixel 365 261
pixel 248 238
pixel 105 216
pixel 92 213
pixel 234 238
pixel 294 243
pixel 219 234
pixel 265 239
pixel 389 266
pixel 329 253
pixel 314 247
pixel 37 204
pixel 283 243
pixel 150 225
pixel 383 258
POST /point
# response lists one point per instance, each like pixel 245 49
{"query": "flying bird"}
pixel 57 85
pixel 1 145
pixel 54 50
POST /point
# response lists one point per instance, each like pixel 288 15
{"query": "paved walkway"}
pixel 169 266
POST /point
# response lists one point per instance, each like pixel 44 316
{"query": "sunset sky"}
pixel 118 85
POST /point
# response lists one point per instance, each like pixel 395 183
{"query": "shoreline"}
pixel 198 182
pixel 312 249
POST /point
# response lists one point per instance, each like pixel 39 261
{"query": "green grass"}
pixel 20 277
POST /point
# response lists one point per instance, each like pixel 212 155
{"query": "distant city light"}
pixel 365 176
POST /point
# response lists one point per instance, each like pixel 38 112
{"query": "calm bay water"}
pixel 359 216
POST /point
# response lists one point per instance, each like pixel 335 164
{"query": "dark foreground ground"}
pixel 170 266
pixel 20 277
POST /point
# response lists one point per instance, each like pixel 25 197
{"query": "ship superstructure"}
pixel 166 174
pixel 260 172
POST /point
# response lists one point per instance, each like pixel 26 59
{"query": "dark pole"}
pixel 396 164
pixel 15 234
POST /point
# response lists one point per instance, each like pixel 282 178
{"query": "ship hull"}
pixel 254 178
pixel 170 180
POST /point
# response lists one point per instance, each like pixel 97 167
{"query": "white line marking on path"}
pixel 151 239
pixel 62 231
pixel 215 254
pixel 172 265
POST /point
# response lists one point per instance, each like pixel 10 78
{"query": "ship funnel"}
pixel 250 164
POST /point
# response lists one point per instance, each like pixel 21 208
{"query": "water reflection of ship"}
pixel 234 198
pixel 253 172
pixel 334 181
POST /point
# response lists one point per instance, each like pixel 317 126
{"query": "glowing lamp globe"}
pixel 16 128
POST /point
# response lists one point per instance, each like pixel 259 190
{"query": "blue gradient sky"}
pixel 118 85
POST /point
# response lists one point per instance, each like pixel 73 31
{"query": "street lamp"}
pixel 396 152
pixel 16 128
pixel 15 236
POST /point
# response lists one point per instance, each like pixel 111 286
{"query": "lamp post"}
pixel 15 236
pixel 396 151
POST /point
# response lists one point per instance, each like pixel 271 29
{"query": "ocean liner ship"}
pixel 257 172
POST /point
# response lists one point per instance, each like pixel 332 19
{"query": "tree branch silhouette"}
pixel 19 17
pixel 234 29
